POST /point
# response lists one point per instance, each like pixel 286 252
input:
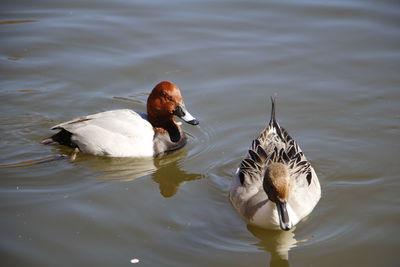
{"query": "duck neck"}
pixel 166 126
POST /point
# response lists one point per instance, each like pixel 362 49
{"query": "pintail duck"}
pixel 125 133
pixel 275 186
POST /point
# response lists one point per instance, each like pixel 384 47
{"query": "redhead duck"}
pixel 275 186
pixel 125 133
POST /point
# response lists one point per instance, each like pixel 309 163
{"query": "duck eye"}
pixel 167 98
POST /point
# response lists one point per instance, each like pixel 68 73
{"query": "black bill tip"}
pixel 284 220
pixel 193 122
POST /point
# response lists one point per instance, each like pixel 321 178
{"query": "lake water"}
pixel 333 65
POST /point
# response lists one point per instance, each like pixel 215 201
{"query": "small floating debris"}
pixel 33 161
pixel 28 91
pixel 127 99
pixel 14 58
pixel 134 260
pixel 18 21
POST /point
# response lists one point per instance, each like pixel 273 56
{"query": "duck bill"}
pixel 284 220
pixel 182 113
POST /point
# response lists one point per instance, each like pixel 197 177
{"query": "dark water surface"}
pixel 334 66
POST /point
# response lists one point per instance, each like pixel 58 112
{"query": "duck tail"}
pixel 273 122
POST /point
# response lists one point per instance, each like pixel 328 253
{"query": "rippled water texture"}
pixel 334 66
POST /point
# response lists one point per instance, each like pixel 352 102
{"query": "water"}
pixel 334 67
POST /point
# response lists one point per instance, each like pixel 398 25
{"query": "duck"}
pixel 275 186
pixel 126 133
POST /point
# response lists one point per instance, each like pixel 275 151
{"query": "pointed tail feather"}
pixel 273 122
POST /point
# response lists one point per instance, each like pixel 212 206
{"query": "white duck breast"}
pixel 116 133
pixel 275 186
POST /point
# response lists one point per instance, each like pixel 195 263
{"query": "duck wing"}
pixel 120 132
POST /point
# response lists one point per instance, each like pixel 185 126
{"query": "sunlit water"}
pixel 334 67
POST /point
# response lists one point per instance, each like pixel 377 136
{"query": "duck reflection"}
pixel 165 170
pixel 170 176
pixel 278 243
